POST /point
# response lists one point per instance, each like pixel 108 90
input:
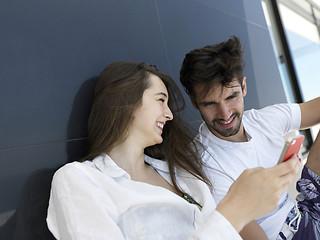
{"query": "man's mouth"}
pixel 226 124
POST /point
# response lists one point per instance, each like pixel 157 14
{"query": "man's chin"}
pixel 227 134
pixel 224 133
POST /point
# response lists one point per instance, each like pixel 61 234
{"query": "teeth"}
pixel 226 122
pixel 160 125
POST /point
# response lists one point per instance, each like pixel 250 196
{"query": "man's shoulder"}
pixel 270 111
pixel 273 119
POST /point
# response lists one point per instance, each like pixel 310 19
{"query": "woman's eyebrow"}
pixel 162 94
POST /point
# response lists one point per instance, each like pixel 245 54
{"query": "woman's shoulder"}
pixel 101 168
pixel 73 170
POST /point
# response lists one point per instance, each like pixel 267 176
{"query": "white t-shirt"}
pixel 227 160
pixel 98 200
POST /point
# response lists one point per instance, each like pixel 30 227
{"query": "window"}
pixel 294 30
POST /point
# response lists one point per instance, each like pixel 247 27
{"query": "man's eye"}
pixel 231 97
pixel 207 104
pixel 234 95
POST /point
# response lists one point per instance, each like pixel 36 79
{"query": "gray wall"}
pixel 52 51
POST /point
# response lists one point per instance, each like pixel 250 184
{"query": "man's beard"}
pixel 229 131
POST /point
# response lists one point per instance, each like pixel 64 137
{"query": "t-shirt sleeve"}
pixel 290 114
pixel 78 209
pixel 296 116
pixel 277 119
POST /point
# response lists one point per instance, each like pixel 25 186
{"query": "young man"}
pixel 236 139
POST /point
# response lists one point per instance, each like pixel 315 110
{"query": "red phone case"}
pixel 291 147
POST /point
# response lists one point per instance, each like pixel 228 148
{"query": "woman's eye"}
pixel 161 99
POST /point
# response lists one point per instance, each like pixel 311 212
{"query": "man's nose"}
pixel 224 111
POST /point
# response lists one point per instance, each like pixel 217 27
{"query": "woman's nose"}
pixel 168 114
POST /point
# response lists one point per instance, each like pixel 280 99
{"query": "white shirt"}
pixel 227 160
pixel 98 200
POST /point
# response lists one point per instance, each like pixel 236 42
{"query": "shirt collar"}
pixel 159 165
pixel 106 165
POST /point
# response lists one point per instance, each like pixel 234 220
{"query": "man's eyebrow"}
pixel 234 94
pixel 207 102
pixel 162 94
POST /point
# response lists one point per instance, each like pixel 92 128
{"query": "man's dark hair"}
pixel 221 63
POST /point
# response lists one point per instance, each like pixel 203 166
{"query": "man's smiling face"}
pixel 221 108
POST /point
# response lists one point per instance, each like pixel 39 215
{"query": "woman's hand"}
pixel 256 192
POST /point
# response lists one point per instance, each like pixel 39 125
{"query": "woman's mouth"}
pixel 160 125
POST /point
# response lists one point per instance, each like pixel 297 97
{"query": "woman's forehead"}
pixel 157 84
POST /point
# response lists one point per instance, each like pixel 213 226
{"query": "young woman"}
pixel 143 178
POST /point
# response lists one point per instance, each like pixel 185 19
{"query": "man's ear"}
pixel 194 104
pixel 244 86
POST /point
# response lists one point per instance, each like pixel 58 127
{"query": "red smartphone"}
pixel 292 146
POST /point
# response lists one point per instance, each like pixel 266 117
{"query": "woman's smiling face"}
pixel 151 117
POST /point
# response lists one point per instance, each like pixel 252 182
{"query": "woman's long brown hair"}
pixel 118 93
